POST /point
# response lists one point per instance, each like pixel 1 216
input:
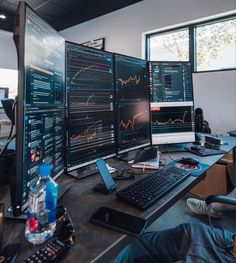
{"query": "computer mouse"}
pixel 189 161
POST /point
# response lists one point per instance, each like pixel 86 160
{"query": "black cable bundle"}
pixel 7 157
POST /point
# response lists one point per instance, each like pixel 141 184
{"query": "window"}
pixel 208 46
pixel 9 79
pixel 216 46
pixel 173 46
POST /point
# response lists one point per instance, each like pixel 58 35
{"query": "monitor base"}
pixel 232 133
pixel 83 171
pixel 128 156
pixel 179 147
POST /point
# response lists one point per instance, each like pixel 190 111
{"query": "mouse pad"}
pixel 200 169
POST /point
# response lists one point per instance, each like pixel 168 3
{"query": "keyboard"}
pixel 148 190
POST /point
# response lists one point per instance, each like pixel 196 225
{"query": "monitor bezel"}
pixel 19 38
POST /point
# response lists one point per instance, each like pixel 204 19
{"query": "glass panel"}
pixel 172 46
pixel 9 79
pixel 216 46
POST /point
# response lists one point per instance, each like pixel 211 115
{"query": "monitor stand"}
pixel 232 133
pixel 179 147
pixel 62 190
pixel 128 156
pixel 83 171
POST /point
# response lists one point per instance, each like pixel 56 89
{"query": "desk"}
pixel 95 243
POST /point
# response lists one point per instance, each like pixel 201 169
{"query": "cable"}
pixel 10 137
pixel 175 160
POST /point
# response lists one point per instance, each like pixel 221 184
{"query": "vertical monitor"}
pixel 132 103
pixel 40 100
pixel 172 108
pixel 90 99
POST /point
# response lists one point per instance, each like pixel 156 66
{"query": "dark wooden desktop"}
pixel 98 244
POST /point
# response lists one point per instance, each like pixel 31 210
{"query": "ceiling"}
pixel 62 14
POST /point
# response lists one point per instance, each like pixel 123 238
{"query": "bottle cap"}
pixel 45 169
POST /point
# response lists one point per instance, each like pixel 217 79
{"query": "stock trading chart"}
pixel 132 109
pixel 172 119
pixel 90 94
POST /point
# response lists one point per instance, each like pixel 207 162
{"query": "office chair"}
pixel 184 243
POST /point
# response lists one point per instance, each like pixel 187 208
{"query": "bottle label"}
pixel 37 202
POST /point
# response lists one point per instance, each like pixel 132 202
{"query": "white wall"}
pixel 123 33
pixel 8 54
pixel 122 29
pixel 216 93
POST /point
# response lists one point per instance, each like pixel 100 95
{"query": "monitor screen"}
pixel 40 100
pixel 170 81
pixel 132 103
pixel 90 101
pixel 172 108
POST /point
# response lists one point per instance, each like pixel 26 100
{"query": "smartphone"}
pixel 118 220
pixel 106 176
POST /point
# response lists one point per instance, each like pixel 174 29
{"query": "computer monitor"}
pixel 40 101
pixel 132 103
pixel 90 103
pixel 172 106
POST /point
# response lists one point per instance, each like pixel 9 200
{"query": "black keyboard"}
pixel 148 190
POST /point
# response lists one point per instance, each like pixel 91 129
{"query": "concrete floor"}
pixel 180 213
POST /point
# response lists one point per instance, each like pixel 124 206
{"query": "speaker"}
pixel 199 120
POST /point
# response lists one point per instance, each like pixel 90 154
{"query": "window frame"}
pixel 192 40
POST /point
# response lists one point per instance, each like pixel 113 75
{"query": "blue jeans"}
pixel 185 243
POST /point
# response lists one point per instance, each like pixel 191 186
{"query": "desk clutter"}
pixel 54 249
pixel 77 106
pixel 119 205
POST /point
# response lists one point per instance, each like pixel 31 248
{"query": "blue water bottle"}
pixel 41 214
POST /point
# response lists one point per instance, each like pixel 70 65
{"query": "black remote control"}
pixel 50 252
